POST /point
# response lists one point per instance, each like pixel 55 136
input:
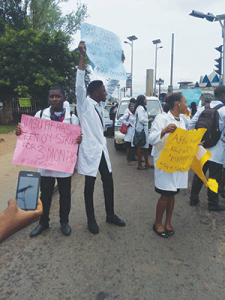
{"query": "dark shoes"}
pixel 115 220
pixel 65 228
pixel 38 230
pixel 93 227
pixel 161 234
pixel 216 207
pixel 194 201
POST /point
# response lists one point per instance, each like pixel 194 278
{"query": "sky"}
pixel 194 39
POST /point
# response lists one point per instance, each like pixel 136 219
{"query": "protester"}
pixel 93 153
pixel 167 184
pixel 215 163
pixel 142 121
pixel 193 108
pixel 112 115
pixel 13 218
pixel 55 112
pixel 128 119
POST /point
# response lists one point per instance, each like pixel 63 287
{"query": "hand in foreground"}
pixel 79 138
pixel 82 48
pixel 18 130
pixel 13 218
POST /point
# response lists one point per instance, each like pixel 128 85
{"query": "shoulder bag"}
pixel 139 137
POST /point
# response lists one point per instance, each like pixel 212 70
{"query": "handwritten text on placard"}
pixel 180 149
pixel 104 51
pixel 47 144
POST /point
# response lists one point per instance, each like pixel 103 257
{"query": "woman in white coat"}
pixel 167 184
pixel 128 119
pixel 142 121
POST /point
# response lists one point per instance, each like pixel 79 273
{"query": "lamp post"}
pixel 156 42
pixel 210 17
pixel 131 38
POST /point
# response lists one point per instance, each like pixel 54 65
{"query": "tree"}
pixel 30 62
pixel 11 13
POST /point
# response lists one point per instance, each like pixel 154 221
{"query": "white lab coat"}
pixel 68 119
pixel 93 142
pixel 165 180
pixel 217 150
pixel 142 122
pixel 130 130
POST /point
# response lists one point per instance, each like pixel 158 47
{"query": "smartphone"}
pixel 28 190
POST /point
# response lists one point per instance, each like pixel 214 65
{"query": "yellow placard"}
pixel 181 146
pixel 24 102
pixel 199 160
pixel 182 153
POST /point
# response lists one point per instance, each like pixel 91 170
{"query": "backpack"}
pixel 209 119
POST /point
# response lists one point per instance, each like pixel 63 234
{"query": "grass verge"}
pixel 6 129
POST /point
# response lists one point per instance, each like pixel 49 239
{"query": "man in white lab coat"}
pixel 216 161
pixel 93 154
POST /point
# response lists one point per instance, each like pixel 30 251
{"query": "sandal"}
pixel 163 234
pixel 149 167
pixel 143 168
pixel 130 163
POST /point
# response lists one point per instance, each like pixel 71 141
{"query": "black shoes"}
pixel 161 234
pixel 93 227
pixel 38 230
pixel 216 207
pixel 194 201
pixel 115 220
pixel 65 228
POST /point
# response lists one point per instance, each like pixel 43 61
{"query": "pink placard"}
pixel 47 144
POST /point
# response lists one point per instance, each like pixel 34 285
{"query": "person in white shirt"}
pixel 128 119
pixel 56 112
pixel 142 121
pixel 167 184
pixel 216 161
pixel 93 153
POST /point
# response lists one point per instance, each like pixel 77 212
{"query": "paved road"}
pixel 130 263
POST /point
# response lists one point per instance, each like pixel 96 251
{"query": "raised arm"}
pixel 80 83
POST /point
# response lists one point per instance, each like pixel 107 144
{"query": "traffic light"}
pixel 219 60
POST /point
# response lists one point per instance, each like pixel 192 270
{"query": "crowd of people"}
pixel 93 155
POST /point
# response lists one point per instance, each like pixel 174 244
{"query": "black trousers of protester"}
pixel 64 187
pixel 215 171
pixel 108 190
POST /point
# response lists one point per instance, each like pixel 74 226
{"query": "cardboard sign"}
pixel 182 153
pixel 199 160
pixel 47 144
pixel 180 149
pixel 24 102
pixel 104 51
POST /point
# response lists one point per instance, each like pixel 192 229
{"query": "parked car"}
pixel 108 123
pixel 153 108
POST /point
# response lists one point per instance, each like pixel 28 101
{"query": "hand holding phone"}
pixel 28 190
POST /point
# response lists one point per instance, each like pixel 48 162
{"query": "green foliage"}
pixel 30 62
pixel 6 129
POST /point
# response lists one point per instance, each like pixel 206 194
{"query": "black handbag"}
pixel 139 139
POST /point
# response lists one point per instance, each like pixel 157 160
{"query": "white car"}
pixel 153 108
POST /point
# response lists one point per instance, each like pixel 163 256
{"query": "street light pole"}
pixel 156 42
pixel 210 17
pixel 131 38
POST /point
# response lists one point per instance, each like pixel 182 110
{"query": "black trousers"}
pixel 215 171
pixel 47 187
pixel 108 190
